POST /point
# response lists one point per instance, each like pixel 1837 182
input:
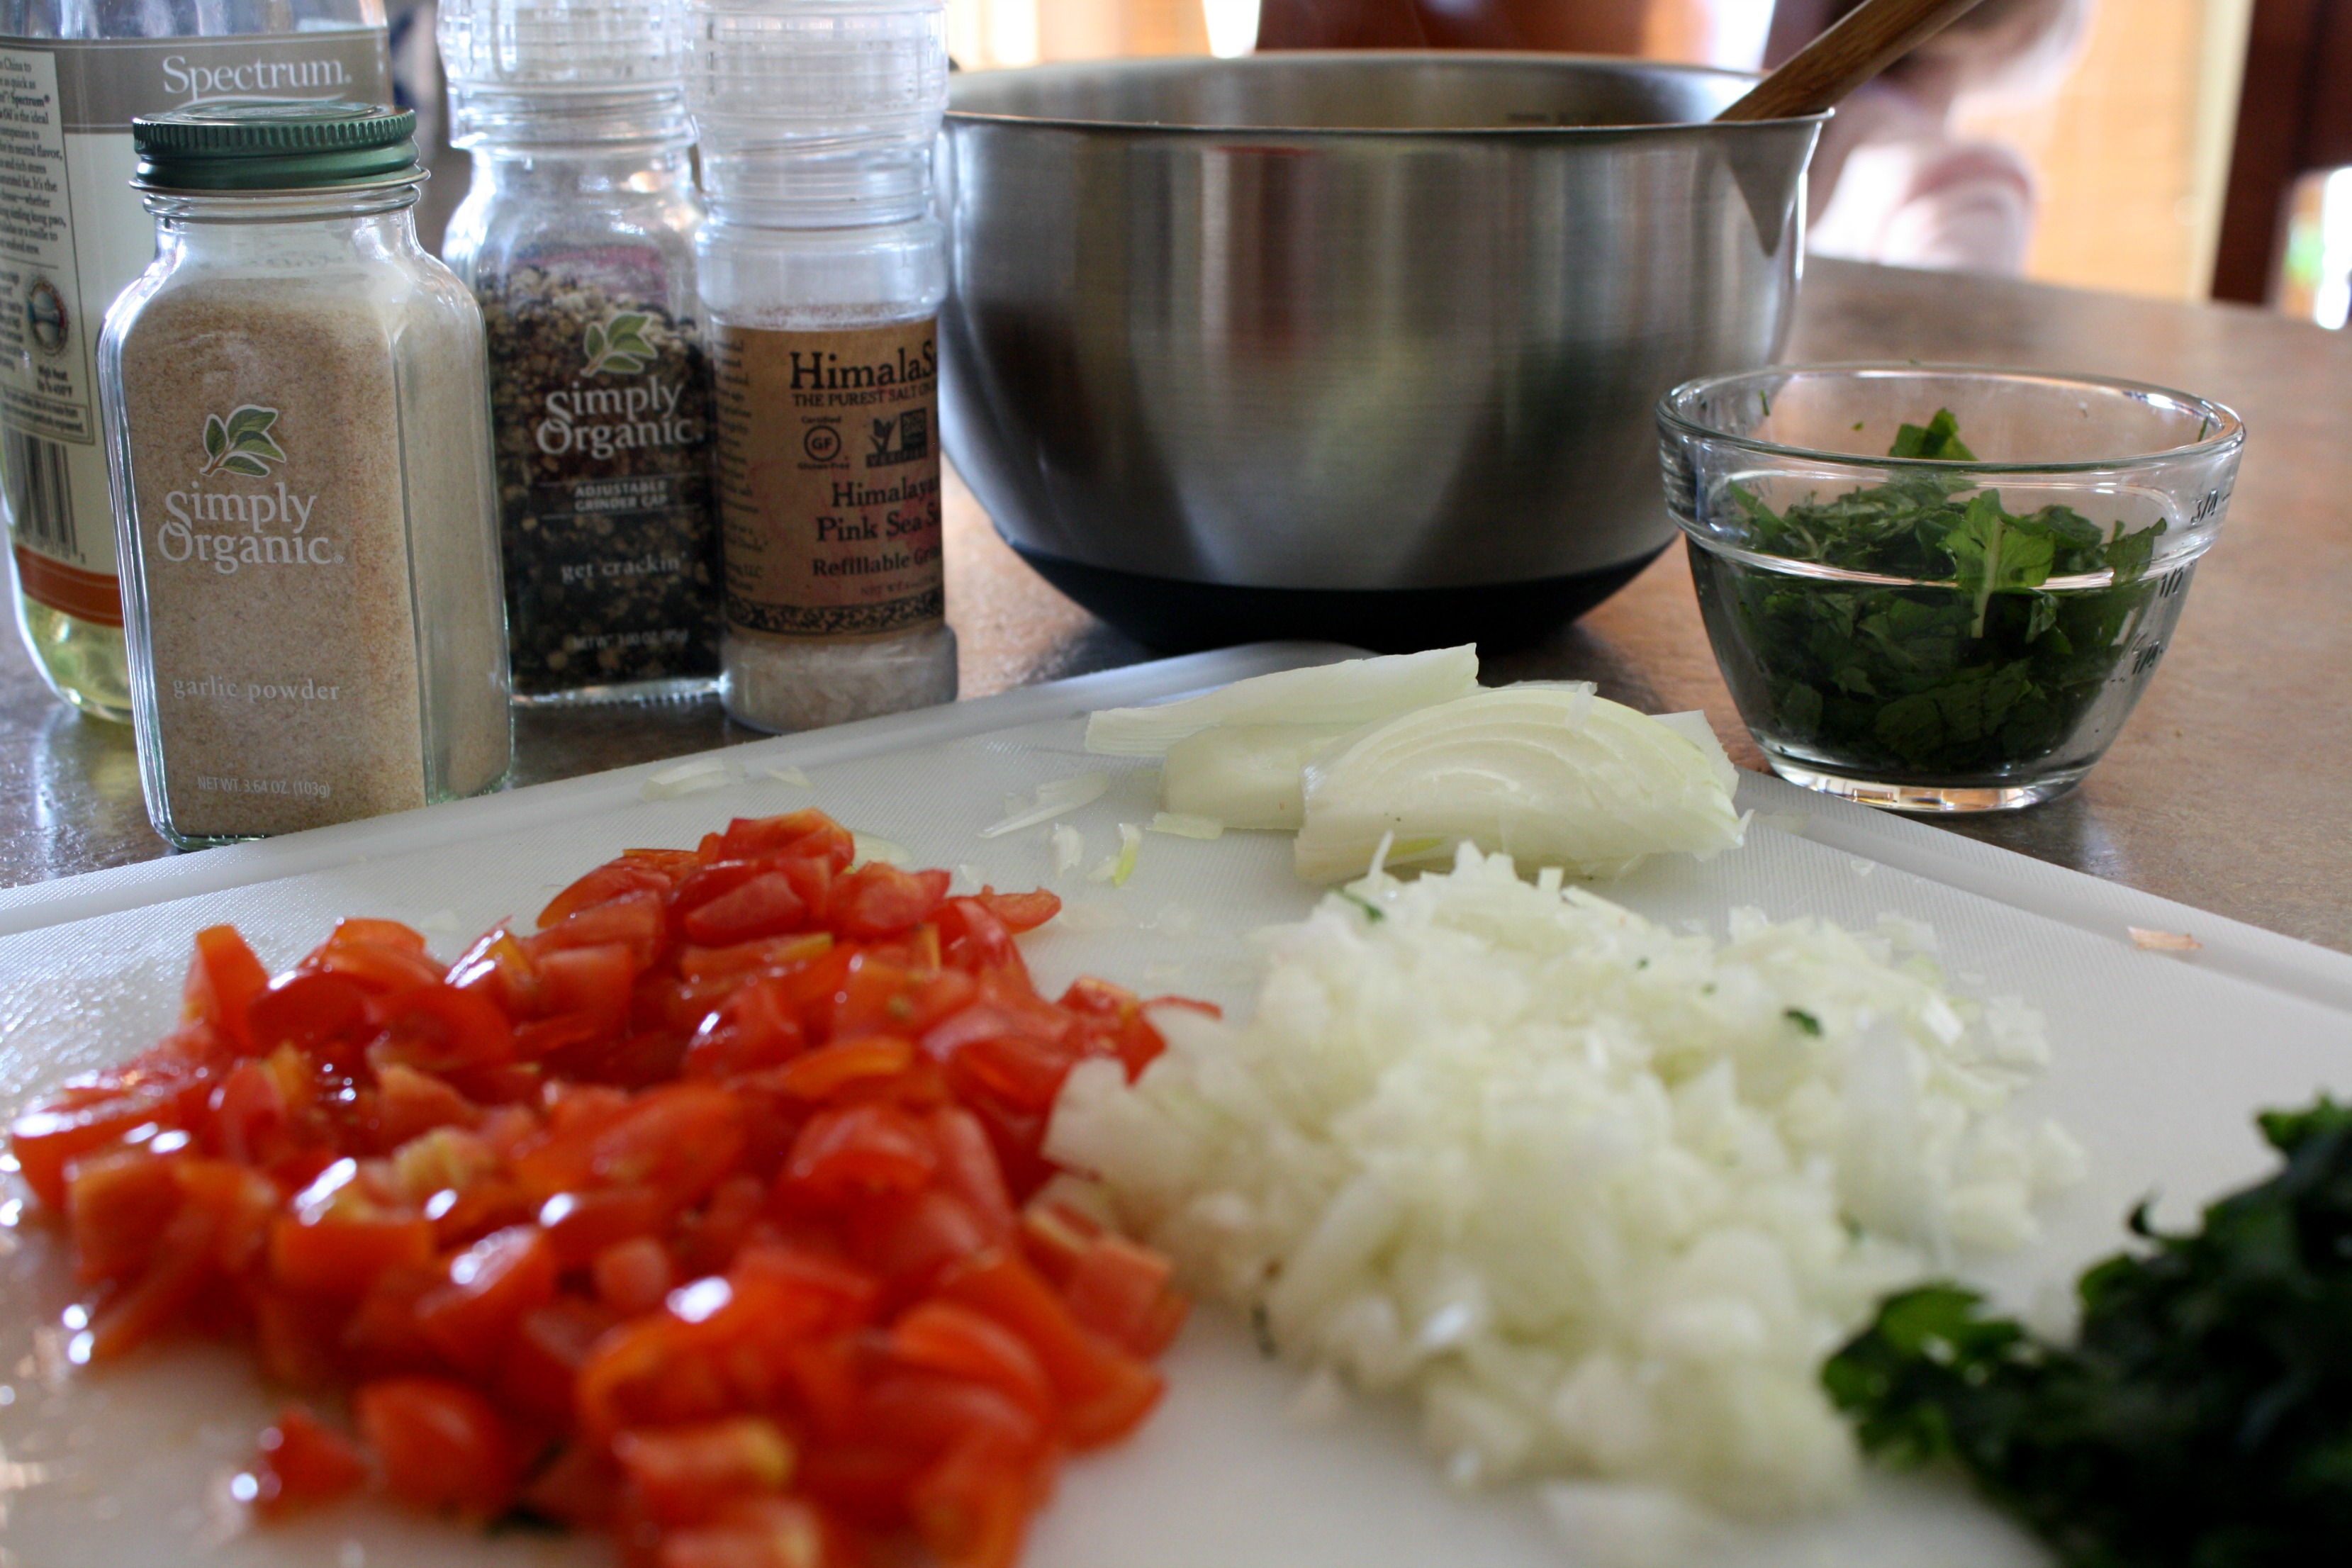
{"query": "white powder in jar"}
pixel 318 593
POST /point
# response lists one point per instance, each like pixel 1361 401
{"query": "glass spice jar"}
pixel 297 423
pixel 824 266
pixel 577 237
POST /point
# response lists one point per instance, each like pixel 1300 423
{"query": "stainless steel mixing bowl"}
pixel 1361 346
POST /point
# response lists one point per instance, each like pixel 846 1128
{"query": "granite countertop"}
pixel 2227 791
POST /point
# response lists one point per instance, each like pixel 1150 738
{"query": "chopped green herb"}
pixel 1969 667
pixel 1803 1019
pixel 1372 911
pixel 1939 440
pixel 2203 1419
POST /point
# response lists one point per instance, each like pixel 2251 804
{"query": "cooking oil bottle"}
pixel 73 233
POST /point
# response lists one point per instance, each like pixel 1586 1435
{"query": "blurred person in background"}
pixel 1894 181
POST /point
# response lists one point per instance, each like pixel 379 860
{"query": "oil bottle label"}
pixel 73 234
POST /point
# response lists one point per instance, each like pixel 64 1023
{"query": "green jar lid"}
pixel 274 146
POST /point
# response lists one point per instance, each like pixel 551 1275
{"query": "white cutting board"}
pixel 2160 1060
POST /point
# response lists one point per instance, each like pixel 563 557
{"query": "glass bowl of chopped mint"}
pixel 1941 589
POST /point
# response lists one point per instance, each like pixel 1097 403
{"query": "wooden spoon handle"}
pixel 1865 41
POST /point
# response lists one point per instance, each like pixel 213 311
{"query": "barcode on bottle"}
pixel 40 496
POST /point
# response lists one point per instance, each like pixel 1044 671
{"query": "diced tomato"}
pixel 634 921
pixel 804 835
pixel 777 953
pixel 880 900
pixel 1020 912
pixel 718 1165
pixel 308 1011
pixel 359 931
pixel 579 1224
pixel 300 1339
pixel 977 942
pixel 304 1463
pixel 870 1148
pixel 686 1474
pixel 579 1486
pixel 940 1336
pixel 118 1202
pixel 598 981
pixel 616 880
pixel 827 1293
pixel 634 1276
pixel 409 1103
pixel 967 1169
pixel 910 1241
pixel 677 1139
pixel 820 1073
pixel 87 1116
pixel 1022 1070
pixel 879 997
pixel 759 1027
pixel 341 1237
pixel 499 968
pixel 438 1028
pixel 706 1243
pixel 566 1033
pixel 931 1413
pixel 491 1284
pixel 1104 1391
pixel 1115 1290
pixel 1054 1236
pixel 544 1360
pixel 222 980
pixel 380 956
pixel 763 905
pixel 443 1445
pixel 971 1509
pixel 758 1533
pixel 180 1266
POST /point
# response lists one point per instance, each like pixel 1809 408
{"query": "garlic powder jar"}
pixel 297 418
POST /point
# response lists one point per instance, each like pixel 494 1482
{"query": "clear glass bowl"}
pixel 1957 632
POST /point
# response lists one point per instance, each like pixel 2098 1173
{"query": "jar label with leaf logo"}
pixel 603 431
pixel 829 480
pixel 273 564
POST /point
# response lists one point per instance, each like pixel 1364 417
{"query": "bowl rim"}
pixel 2232 434
pixel 1145 65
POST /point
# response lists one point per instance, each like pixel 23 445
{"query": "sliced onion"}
pixel 1352 692
pixel 1119 868
pixel 1181 824
pixel 1053 797
pixel 1549 774
pixel 1244 775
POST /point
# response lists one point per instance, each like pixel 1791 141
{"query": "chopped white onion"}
pixel 1599 1194
pixel 1119 868
pixel 789 775
pixel 1184 825
pixel 1350 693
pixel 1069 847
pixel 867 846
pixel 686 778
pixel 1052 797
pixel 1548 774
